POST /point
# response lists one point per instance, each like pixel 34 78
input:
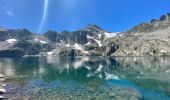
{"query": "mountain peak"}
pixel 93 28
pixel 155 24
pixel 165 17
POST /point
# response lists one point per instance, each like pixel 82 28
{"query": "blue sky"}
pixel 59 15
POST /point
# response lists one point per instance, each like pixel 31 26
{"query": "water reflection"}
pixel 99 67
pixel 146 72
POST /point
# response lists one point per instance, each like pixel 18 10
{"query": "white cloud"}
pixel 10 13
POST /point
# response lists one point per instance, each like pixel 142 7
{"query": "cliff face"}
pixel 146 39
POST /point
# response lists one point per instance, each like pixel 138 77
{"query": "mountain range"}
pixel 146 39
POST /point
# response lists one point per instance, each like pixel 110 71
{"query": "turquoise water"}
pixel 87 78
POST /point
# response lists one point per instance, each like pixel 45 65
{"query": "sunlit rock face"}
pixel 87 41
pixel 145 39
pixel 155 24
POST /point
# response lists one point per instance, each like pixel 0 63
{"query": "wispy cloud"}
pixel 3 8
pixel 10 13
pixel 7 11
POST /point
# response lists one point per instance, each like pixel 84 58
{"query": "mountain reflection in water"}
pixel 148 75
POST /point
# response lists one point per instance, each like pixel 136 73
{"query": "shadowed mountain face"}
pixel 20 34
pixel 151 38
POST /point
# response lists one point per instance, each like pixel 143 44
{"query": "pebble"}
pixel 2 79
pixel 2 91
pixel 1 97
pixel 112 94
pixel 1 75
pixel 3 85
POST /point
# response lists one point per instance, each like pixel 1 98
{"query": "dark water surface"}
pixel 87 78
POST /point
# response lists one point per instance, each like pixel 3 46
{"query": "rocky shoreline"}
pixel 65 93
pixel 2 87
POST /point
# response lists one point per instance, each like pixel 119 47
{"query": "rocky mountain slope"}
pixel 145 39
pixel 151 38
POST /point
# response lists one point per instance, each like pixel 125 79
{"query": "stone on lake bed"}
pixel 2 79
pixel 121 94
pixel 3 85
pixel 1 97
pixel 1 75
pixel 112 94
pixel 2 91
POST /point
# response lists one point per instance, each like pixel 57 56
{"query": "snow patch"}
pixel 89 37
pixel 79 47
pixel 86 52
pixel 67 45
pixel 12 41
pixel 88 43
pixel 50 53
pixel 121 35
pixel 98 42
pixel 41 41
pixel 99 35
pixel 109 35
pixel 61 41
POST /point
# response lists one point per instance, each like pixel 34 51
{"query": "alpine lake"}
pixel 86 78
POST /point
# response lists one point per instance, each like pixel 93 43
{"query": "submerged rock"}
pixel 1 75
pixel 124 94
pixel 2 91
pixel 3 85
pixel 1 97
pixel 112 94
pixel 2 79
